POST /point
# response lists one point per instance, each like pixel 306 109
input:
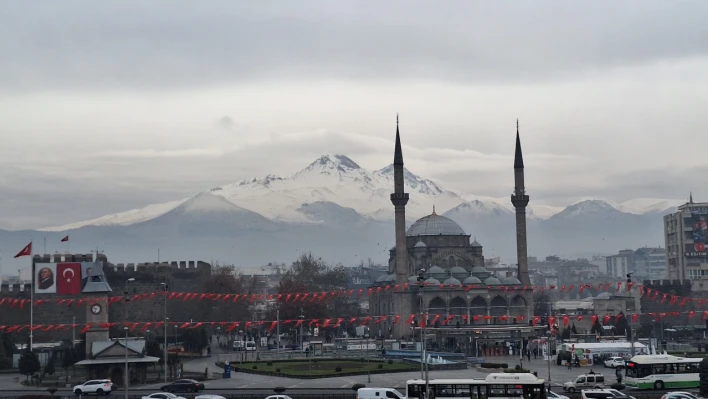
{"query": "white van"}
pixel 250 346
pixel 378 393
pixel 584 381
pixel 238 345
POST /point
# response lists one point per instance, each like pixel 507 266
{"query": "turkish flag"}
pixel 26 251
pixel 699 247
pixel 68 278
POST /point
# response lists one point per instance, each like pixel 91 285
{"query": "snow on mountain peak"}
pixel 587 207
pixel 478 207
pixel 206 202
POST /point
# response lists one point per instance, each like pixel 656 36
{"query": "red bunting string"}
pixel 646 292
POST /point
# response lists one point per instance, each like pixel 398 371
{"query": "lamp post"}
pixel 368 372
pixel 164 354
pixel 424 363
pixel 126 376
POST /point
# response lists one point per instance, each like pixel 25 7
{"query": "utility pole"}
pixel 164 289
pixel 277 331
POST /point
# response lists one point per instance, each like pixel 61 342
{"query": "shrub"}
pixel 279 389
pixel 361 359
pixel 255 367
pixel 269 364
pixel 491 365
pixel 504 366
pixel 390 361
pixel 338 369
pixel 518 370
pixel 380 366
pixel 277 370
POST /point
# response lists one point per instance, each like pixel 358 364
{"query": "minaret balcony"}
pixel 399 198
pixel 519 201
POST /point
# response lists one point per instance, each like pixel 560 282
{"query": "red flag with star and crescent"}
pixel 68 278
pixel 26 251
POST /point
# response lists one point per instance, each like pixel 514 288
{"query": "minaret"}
pixel 520 200
pixel 399 198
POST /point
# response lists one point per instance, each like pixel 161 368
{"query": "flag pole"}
pixel 31 337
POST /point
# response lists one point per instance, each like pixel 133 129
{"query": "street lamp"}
pixel 126 376
pixel 368 371
pixel 424 363
pixel 164 287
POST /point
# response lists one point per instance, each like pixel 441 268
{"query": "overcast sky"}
pixel 108 106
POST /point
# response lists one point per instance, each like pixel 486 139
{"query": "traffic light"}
pixel 629 278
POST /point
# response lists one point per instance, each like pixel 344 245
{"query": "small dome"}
pixel 431 282
pixel 603 295
pixel 452 281
pixel 381 278
pixel 420 244
pixel 393 248
pixel 511 280
pixel 436 271
pixel 492 281
pixel 459 272
pixel 412 280
pixel 435 225
pixel 390 277
pixel 480 272
pixel 472 280
pixel 475 244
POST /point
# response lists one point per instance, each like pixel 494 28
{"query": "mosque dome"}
pixel 431 282
pixel 492 281
pixel 436 272
pixel 476 244
pixel 458 272
pixel 480 272
pixel 390 277
pixel 420 244
pixel 472 280
pixel 452 281
pixel 413 280
pixel 435 225
pixel 511 280
pixel 381 278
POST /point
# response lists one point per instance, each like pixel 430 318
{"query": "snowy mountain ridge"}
pixel 337 179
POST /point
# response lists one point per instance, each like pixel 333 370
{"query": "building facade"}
pixel 686 237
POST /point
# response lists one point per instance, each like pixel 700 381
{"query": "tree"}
pixel 29 363
pixel 621 326
pixel 703 376
pixel 153 349
pixel 49 368
pixel 573 329
pixel 69 358
pixel 226 281
pixel 541 300
pixel 312 275
pixel 596 327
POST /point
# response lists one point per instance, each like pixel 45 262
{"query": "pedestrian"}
pixel 528 354
pixel 568 363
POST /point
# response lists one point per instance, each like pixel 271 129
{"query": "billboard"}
pixel 699 234
pixel 69 278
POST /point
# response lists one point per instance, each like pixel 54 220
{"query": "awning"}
pixel 118 360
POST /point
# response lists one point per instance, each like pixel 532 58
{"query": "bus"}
pixel 495 385
pixel 662 371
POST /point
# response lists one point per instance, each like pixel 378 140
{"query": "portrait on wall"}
pixel 45 278
pixel 90 271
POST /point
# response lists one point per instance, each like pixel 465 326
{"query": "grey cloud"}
pixel 172 44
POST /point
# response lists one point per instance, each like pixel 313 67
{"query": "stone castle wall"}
pixel 188 276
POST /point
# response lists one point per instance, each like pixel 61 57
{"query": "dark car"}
pixel 183 386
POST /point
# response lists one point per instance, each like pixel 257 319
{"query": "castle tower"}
pixel 399 199
pixel 520 200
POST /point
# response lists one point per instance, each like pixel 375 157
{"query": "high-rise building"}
pixel 686 237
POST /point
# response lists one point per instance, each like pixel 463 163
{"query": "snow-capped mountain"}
pixel 337 179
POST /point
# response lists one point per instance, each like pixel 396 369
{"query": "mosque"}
pixel 437 250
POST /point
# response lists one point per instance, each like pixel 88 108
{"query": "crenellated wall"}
pixel 187 276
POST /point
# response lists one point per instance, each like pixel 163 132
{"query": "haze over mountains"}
pixel 341 212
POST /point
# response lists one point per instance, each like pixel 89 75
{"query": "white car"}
pixel 163 395
pixel 209 397
pixel 553 395
pixel 97 387
pixel 679 395
pixel 278 397
pixel 614 362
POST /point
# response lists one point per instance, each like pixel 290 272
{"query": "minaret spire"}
pixel 518 156
pixel 398 153
pixel 690 198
